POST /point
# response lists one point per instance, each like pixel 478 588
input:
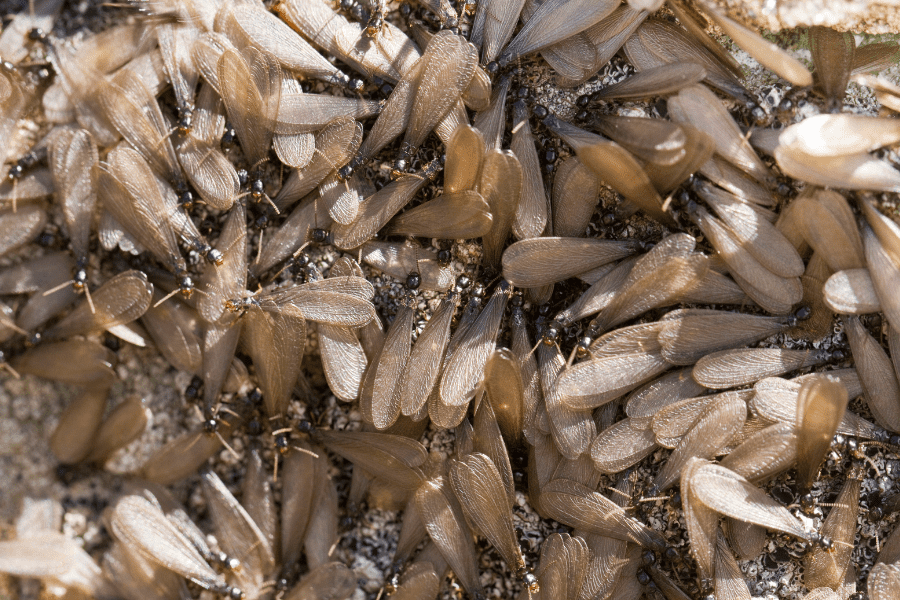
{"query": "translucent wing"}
pixel 729 494
pixel 575 505
pixel 448 530
pixel 482 496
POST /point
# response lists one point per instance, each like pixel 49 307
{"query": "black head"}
pixel 413 281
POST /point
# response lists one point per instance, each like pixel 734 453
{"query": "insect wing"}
pixel 465 369
pixel 142 525
pixel 821 403
pixel 560 258
pixel 712 430
pixel 578 506
pixel 481 494
pixel 394 458
pixel 729 494
pixel 250 86
pixel 447 528
pixel 828 567
pixel 120 300
pixel 239 536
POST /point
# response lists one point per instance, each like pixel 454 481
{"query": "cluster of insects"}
pixel 227 179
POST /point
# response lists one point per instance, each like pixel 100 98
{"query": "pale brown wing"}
pixel 477 484
pixel 448 530
pixel 120 300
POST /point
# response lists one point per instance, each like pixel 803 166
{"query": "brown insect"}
pixel 478 486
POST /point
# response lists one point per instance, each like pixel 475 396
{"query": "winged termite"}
pixel 81 80
pixel 815 151
pixel 828 567
pixel 464 152
pixel 330 580
pixel 713 429
pixel 463 215
pixel 465 368
pixel 697 106
pixel 644 402
pixel 79 362
pixel 821 403
pixel 685 336
pixel 575 505
pixel 425 359
pixel 136 115
pixel 447 528
pixel 477 484
pixel 74 436
pixel 206 167
pixel 175 42
pixel 656 81
pixel 658 43
pixel 228 280
pixel 343 358
pixel 380 207
pixel 560 258
pixel 610 375
pixel 129 191
pixel 72 158
pixel 139 523
pixel 701 522
pixel 247 25
pixel 388 56
pixel 440 413
pixel 833 56
pixel 612 164
pixel 776 400
pixel 120 300
pixel 395 458
pixel 449 65
pixel 493 27
pixel 729 494
pixel 746 257
pixel 875 374
pixel 729 581
pixel 487 439
pixel 238 535
pixel 552 22
pixel 254 110
pixel 669 269
pixel 381 402
pixel 653 140
pixel 302 479
pixel 734 368
pixel 505 391
pixel 572 429
pixel 673 421
pixel 563 566
pixel 137 577
pixel 827 224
